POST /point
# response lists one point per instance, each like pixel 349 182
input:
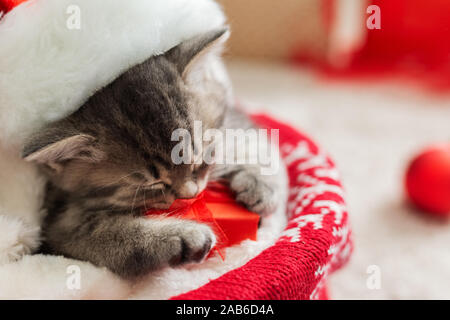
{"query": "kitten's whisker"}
pixel 164 195
pixel 135 196
pixel 145 200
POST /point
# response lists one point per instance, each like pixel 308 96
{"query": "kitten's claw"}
pixel 252 191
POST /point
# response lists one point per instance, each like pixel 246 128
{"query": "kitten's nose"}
pixel 188 190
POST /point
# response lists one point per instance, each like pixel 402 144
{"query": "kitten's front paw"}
pixel 163 242
pixel 190 242
pixel 255 193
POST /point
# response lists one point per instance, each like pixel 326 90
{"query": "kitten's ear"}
pixel 189 54
pixel 53 149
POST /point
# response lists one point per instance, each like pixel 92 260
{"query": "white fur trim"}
pixel 16 239
pixel 48 70
pixel 21 190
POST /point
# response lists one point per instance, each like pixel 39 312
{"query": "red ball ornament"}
pixel 428 180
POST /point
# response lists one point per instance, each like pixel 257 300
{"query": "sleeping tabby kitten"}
pixel 110 161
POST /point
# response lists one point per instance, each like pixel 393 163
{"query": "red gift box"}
pixel 231 222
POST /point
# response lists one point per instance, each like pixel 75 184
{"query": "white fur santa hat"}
pixel 54 54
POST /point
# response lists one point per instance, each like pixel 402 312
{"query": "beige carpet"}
pixel 371 130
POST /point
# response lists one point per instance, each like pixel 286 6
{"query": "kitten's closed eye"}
pixel 140 177
pixel 148 182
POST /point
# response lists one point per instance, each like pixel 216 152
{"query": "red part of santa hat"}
pixel 8 5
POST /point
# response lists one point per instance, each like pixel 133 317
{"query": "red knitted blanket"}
pixel 315 242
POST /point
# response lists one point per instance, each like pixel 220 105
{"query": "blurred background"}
pixel 370 81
